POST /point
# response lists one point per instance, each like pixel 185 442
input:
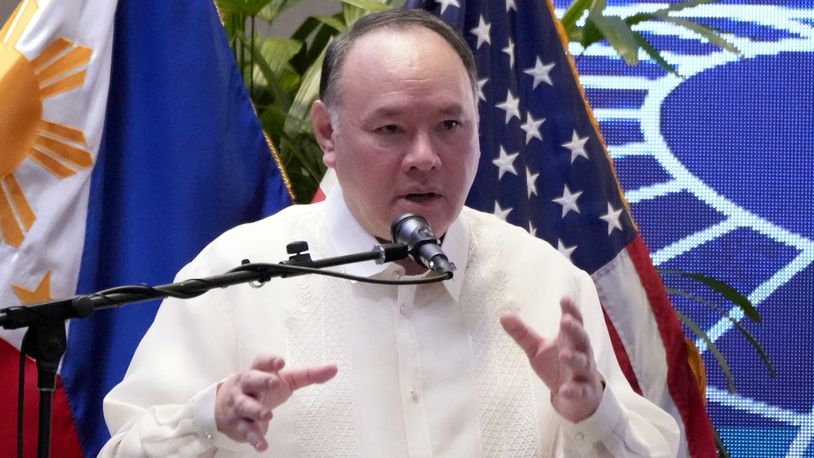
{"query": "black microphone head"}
pixel 424 247
pixel 410 229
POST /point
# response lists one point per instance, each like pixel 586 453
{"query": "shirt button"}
pixel 580 436
pixel 403 310
pixel 414 395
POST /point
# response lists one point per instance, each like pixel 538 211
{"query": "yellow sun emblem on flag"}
pixel 24 85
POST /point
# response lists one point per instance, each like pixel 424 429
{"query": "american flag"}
pixel 545 167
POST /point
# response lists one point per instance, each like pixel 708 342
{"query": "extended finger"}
pixel 578 364
pixel 247 407
pixel 298 378
pixel 268 363
pixel 255 382
pixel 569 307
pixel 574 335
pixel 525 337
pixel 251 432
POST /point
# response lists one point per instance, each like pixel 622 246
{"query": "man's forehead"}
pixel 397 40
pixel 388 58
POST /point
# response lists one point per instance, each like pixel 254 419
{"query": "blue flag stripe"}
pixel 183 158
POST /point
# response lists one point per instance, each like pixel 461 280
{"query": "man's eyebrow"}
pixel 386 112
pixel 454 109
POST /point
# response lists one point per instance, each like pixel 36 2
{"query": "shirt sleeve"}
pixel 625 424
pixel 182 357
pixel 622 430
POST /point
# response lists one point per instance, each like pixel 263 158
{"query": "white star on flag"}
pixel 482 83
pixel 532 127
pixel 568 200
pixel 501 213
pixel 612 217
pixel 510 51
pixel 511 106
pixel 565 250
pixel 482 32
pixel 541 73
pixel 505 163
pixel 446 3
pixel 531 182
pixel 576 146
pixel 537 85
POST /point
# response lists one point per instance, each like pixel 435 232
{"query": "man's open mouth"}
pixel 419 197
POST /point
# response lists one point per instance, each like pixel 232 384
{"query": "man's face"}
pixel 405 138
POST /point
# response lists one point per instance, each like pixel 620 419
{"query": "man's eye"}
pixel 450 124
pixel 388 129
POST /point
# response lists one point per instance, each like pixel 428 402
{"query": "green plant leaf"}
pixel 243 7
pixel 272 119
pixel 351 13
pixel 723 288
pixel 306 29
pixel 368 5
pixel 308 92
pixel 319 45
pixel 705 32
pixel 233 23
pixel 573 13
pixel 277 52
pixel 722 363
pixel 618 34
pixel 654 54
pixel 659 14
pixel 314 35
pixel 598 6
pixel 719 443
pixel 275 8
pixel 764 355
pixel 333 22
pixel 590 34
pixel 270 76
pixel 232 6
pixel 297 150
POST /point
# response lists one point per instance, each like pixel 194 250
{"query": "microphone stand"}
pixel 45 340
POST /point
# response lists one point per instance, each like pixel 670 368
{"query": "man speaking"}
pixel 509 358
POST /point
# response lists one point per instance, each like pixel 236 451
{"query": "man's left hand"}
pixel 565 363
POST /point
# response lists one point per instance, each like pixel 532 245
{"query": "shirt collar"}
pixel 347 236
pixel 456 247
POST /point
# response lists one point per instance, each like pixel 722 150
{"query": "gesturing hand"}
pixel 244 402
pixel 565 364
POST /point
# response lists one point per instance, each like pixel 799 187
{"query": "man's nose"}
pixel 421 154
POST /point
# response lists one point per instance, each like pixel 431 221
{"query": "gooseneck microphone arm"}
pixel 45 340
pixel 83 305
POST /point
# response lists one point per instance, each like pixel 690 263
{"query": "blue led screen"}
pixel 717 166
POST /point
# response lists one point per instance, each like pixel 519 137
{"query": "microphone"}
pixel 423 246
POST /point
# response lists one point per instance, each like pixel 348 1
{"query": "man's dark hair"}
pixel 396 19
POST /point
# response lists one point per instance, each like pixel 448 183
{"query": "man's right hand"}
pixel 245 401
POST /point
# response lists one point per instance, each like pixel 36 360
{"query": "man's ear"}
pixel 323 131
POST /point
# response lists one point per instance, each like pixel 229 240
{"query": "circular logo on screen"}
pixel 756 116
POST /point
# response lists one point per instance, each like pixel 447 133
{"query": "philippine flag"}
pixel 127 142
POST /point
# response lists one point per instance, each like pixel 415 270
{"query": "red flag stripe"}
pixel 686 396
